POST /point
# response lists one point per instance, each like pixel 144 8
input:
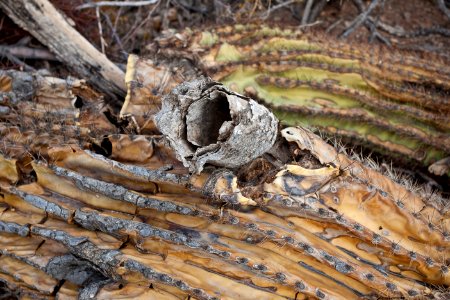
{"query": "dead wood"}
pixel 207 123
pixel 50 27
pixel 28 53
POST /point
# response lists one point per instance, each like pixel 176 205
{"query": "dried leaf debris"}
pixel 88 211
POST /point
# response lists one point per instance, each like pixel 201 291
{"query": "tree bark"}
pixel 44 22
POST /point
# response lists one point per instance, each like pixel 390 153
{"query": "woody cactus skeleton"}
pixel 299 221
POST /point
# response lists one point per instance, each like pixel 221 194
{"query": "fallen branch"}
pixel 4 52
pixel 443 8
pixel 281 5
pixel 402 33
pixel 29 53
pixel 317 9
pixel 307 11
pixel 44 22
pixel 360 19
pixel 117 3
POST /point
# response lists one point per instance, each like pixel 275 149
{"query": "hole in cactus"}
pixel 78 102
pixel 208 121
pixel 107 146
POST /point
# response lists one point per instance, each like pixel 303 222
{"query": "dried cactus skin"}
pixel 391 100
pixel 134 215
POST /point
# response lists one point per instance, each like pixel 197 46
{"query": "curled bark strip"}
pixel 207 123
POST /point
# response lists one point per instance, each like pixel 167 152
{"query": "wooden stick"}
pixel 44 22
pixel 28 53
pixel 360 19
pixel 116 3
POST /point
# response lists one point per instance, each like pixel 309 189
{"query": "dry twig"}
pixel 316 10
pixel 360 19
pixel 117 3
pixel 307 11
pixel 443 8
pixel 281 5
pixel 27 52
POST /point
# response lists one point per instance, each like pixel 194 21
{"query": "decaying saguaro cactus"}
pixel 395 102
pixel 86 211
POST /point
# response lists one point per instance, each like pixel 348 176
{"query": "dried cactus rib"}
pixel 197 258
pixel 53 259
pixel 135 291
pixel 31 277
pixel 82 215
pixel 318 252
pixel 94 222
pixel 134 264
pixel 33 198
pixel 17 287
pixel 79 242
pixel 217 247
pixel 378 188
pixel 280 241
pixel 146 82
pixel 387 188
pixel 59 113
pixel 365 98
pixel 253 34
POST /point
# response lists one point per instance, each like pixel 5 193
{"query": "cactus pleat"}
pixel 391 100
pixel 83 195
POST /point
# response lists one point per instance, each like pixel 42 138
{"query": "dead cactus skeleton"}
pixel 88 212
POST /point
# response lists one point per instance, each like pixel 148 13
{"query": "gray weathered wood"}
pixel 50 27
